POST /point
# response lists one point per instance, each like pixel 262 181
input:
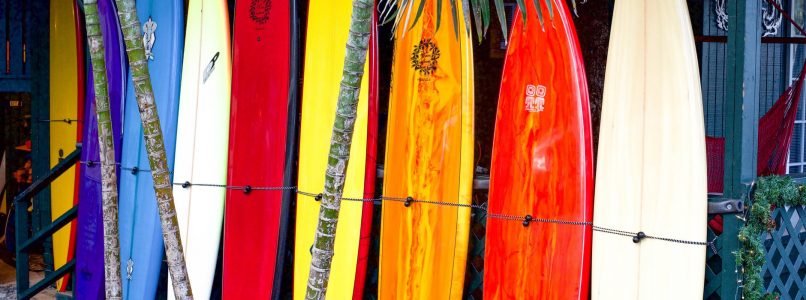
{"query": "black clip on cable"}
pixel 638 237
pixel 526 220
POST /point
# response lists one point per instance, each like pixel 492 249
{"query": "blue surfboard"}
pixel 141 246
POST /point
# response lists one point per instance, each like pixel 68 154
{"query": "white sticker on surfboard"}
pixel 535 98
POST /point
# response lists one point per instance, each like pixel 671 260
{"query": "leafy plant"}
pixel 400 10
pixel 773 191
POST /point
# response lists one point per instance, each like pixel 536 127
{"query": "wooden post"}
pixel 38 64
pixel 741 125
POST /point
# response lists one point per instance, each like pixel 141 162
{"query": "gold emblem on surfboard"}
pixel 425 56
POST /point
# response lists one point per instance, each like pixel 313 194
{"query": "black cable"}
pixel 408 201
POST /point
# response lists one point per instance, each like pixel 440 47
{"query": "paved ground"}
pixel 8 286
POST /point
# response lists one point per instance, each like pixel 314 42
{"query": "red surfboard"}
pixel 262 147
pixel 542 165
pixel 370 168
pixel 82 95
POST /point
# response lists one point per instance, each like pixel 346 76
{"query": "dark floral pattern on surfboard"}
pixel 259 11
pixel 425 57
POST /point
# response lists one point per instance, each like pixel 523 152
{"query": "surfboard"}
pixel 542 164
pixel 66 103
pixel 3 187
pixel 651 165
pixel 328 26
pixel 262 147
pixel 202 135
pixel 429 156
pixel 89 236
pixel 141 246
pixel 370 168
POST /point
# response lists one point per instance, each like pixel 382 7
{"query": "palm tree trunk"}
pixel 339 155
pixel 107 147
pixel 155 147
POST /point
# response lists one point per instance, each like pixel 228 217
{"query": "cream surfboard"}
pixel 651 174
pixel 202 138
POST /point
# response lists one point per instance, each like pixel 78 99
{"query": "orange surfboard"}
pixel 429 156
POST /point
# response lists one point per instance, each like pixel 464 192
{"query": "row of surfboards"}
pixel 229 110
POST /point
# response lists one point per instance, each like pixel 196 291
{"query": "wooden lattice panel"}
pixel 784 269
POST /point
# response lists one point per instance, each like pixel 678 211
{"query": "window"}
pixel 795 60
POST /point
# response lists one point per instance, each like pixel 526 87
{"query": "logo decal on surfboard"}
pixel 425 56
pixel 149 28
pixel 259 11
pixel 210 67
pixel 129 268
pixel 535 98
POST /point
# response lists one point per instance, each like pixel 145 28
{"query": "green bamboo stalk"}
pixel 155 147
pixel 109 190
pixel 340 141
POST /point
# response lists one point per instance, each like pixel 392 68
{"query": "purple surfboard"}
pixel 90 240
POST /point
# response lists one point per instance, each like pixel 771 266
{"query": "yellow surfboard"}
pixel 328 24
pixel 429 156
pixel 66 91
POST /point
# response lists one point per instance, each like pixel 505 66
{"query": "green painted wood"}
pixel 741 103
pixel 14 66
pixel 48 231
pixel 47 281
pixel 14 34
pixel 729 242
pixel 40 184
pixel 784 269
pixel 713 260
pixel 21 235
pixel 21 220
pixel 38 64
pixel 14 84
pixel 741 127
pixel 14 37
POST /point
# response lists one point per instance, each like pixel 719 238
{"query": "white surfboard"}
pixel 651 174
pixel 202 138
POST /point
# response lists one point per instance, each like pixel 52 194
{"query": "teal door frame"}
pixel 741 126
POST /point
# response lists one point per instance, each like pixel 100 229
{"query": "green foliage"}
pixel 477 10
pixel 771 192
